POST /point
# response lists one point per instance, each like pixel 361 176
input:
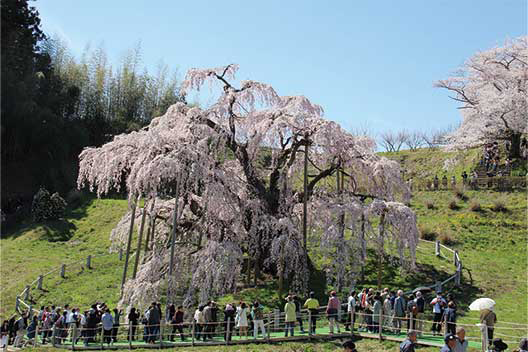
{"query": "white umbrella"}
pixel 482 303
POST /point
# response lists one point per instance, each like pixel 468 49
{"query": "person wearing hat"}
pixel 462 343
pixel 498 345
pixel 349 346
pixel 289 316
pixel 313 307
pixel 409 343
pixel 450 343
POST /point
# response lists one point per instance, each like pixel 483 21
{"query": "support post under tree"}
pixel 305 196
pixel 140 238
pixel 150 231
pixel 129 241
pixel 173 239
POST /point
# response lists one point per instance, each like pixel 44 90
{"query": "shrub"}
pixel 453 205
pixel 446 239
pixel 475 206
pixel 429 204
pixel 46 206
pixel 499 206
pixel 74 197
pixel 427 233
pixel 459 193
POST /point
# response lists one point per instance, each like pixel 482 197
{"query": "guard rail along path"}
pixel 316 326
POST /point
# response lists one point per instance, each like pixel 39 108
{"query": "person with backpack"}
pixel 438 304
pixel 331 311
pixel 258 320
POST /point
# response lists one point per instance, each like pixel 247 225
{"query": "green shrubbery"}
pixel 46 206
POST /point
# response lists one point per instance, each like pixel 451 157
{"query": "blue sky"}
pixel 367 63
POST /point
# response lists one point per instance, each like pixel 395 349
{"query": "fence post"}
pixel 268 330
pixel 484 335
pixel 26 293
pixel 380 323
pixel 39 282
pixel 437 248
pixel 309 323
pixel 458 274
pixel 63 271
pixel 192 332
pixel 102 337
pixel 276 319
pixel 74 336
pixel 161 334
pixel 89 261
pixel 227 334
pixel 53 335
pixel 129 335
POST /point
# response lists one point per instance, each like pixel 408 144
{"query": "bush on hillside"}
pixel 427 233
pixel 475 206
pixel 459 193
pixel 46 206
pixel 499 206
pixel 453 205
pixel 446 239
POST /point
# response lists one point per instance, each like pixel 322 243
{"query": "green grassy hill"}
pixel 492 244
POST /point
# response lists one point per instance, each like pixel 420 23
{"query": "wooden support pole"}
pixel 26 293
pixel 140 238
pixel 89 261
pixel 151 229
pixel 63 271
pixel 39 282
pixel 17 303
pixel 380 324
pixel 73 337
pixel 438 287
pixel 129 241
pixel 437 248
pixel 305 196
pixel 120 254
pixel 455 258
pixel 173 239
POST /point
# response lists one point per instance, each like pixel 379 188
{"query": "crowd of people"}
pixel 371 310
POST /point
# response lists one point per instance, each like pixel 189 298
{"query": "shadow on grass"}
pixel 53 230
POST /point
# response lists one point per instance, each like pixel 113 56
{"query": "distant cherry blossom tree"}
pixel 239 166
pixel 491 87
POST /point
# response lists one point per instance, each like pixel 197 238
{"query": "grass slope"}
pixel 492 246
